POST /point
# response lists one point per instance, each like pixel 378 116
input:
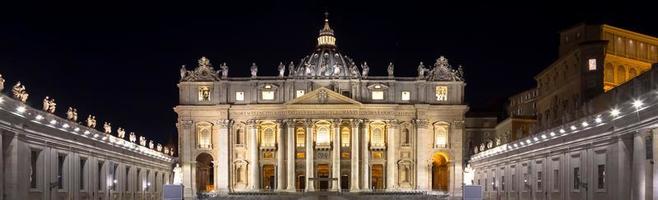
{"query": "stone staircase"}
pixel 330 196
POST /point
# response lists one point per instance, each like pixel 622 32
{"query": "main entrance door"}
pixel 323 172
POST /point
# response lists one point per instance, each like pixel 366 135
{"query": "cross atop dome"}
pixel 326 38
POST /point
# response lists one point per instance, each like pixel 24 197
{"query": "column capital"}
pixel 251 122
pixel 392 123
pixel 185 123
pixel 223 123
pixel 336 122
pixel 458 124
pixel 421 123
pixel 289 122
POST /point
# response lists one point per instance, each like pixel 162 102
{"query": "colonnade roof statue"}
pixel 325 62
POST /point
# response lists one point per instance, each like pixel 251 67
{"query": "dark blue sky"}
pixel 121 62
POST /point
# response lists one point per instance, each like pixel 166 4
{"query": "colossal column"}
pixel 423 143
pixel 391 152
pixel 638 167
pixel 222 144
pixel 354 182
pixel 365 161
pixel 280 168
pixel 335 186
pixel 290 145
pixel 309 156
pixel 187 161
pixel 254 169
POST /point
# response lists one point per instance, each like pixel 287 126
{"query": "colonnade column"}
pixel 365 161
pixel 280 163
pixel 639 167
pixel 354 176
pixel 290 145
pixel 222 164
pixel 654 134
pixel 254 169
pixel 423 142
pixel 309 156
pixel 391 158
pixel 185 154
pixel 335 167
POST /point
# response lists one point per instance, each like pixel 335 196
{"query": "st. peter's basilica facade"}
pixel 321 124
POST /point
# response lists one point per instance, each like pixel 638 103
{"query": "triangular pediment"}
pixel 323 95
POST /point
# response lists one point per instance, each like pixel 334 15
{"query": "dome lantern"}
pixel 326 37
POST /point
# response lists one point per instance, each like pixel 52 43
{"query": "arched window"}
pixel 204 135
pixel 299 140
pixel 440 135
pixel 239 137
pixel 621 74
pixel 406 137
pixel 632 73
pixel 609 73
pixel 345 137
pixel 377 135
pixel 268 137
pixel 323 136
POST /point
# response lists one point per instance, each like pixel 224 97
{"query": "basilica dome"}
pixel 326 62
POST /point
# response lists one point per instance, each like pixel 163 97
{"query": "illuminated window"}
pixel 377 135
pixel 323 136
pixel 203 135
pixel 239 96
pixel 299 93
pixel 204 93
pixel 441 93
pixel 377 95
pixel 406 95
pixel 268 95
pixel 345 137
pixel 268 137
pixel 300 137
pixel 440 135
pixel 591 64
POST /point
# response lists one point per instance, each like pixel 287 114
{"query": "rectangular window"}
pixel 377 95
pixel 299 140
pixel 556 179
pixel 81 178
pixel 485 184
pixel 34 155
pixel 539 181
pixel 268 95
pixel 406 95
pixel 591 64
pixel 601 176
pixel 126 178
pixel 299 93
pixel 493 183
pixel 576 178
pixel 60 171
pixel 204 93
pixel 114 177
pixel 346 93
pixel 239 96
pixel 513 182
pixel 99 176
pixel 525 181
pixel 502 183
pixel 441 93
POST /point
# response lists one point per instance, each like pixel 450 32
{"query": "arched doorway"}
pixel 440 172
pixel 204 173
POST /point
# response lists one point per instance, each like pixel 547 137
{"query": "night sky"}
pixel 121 62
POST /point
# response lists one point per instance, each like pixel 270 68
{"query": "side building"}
pixel 49 157
pixel 596 133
